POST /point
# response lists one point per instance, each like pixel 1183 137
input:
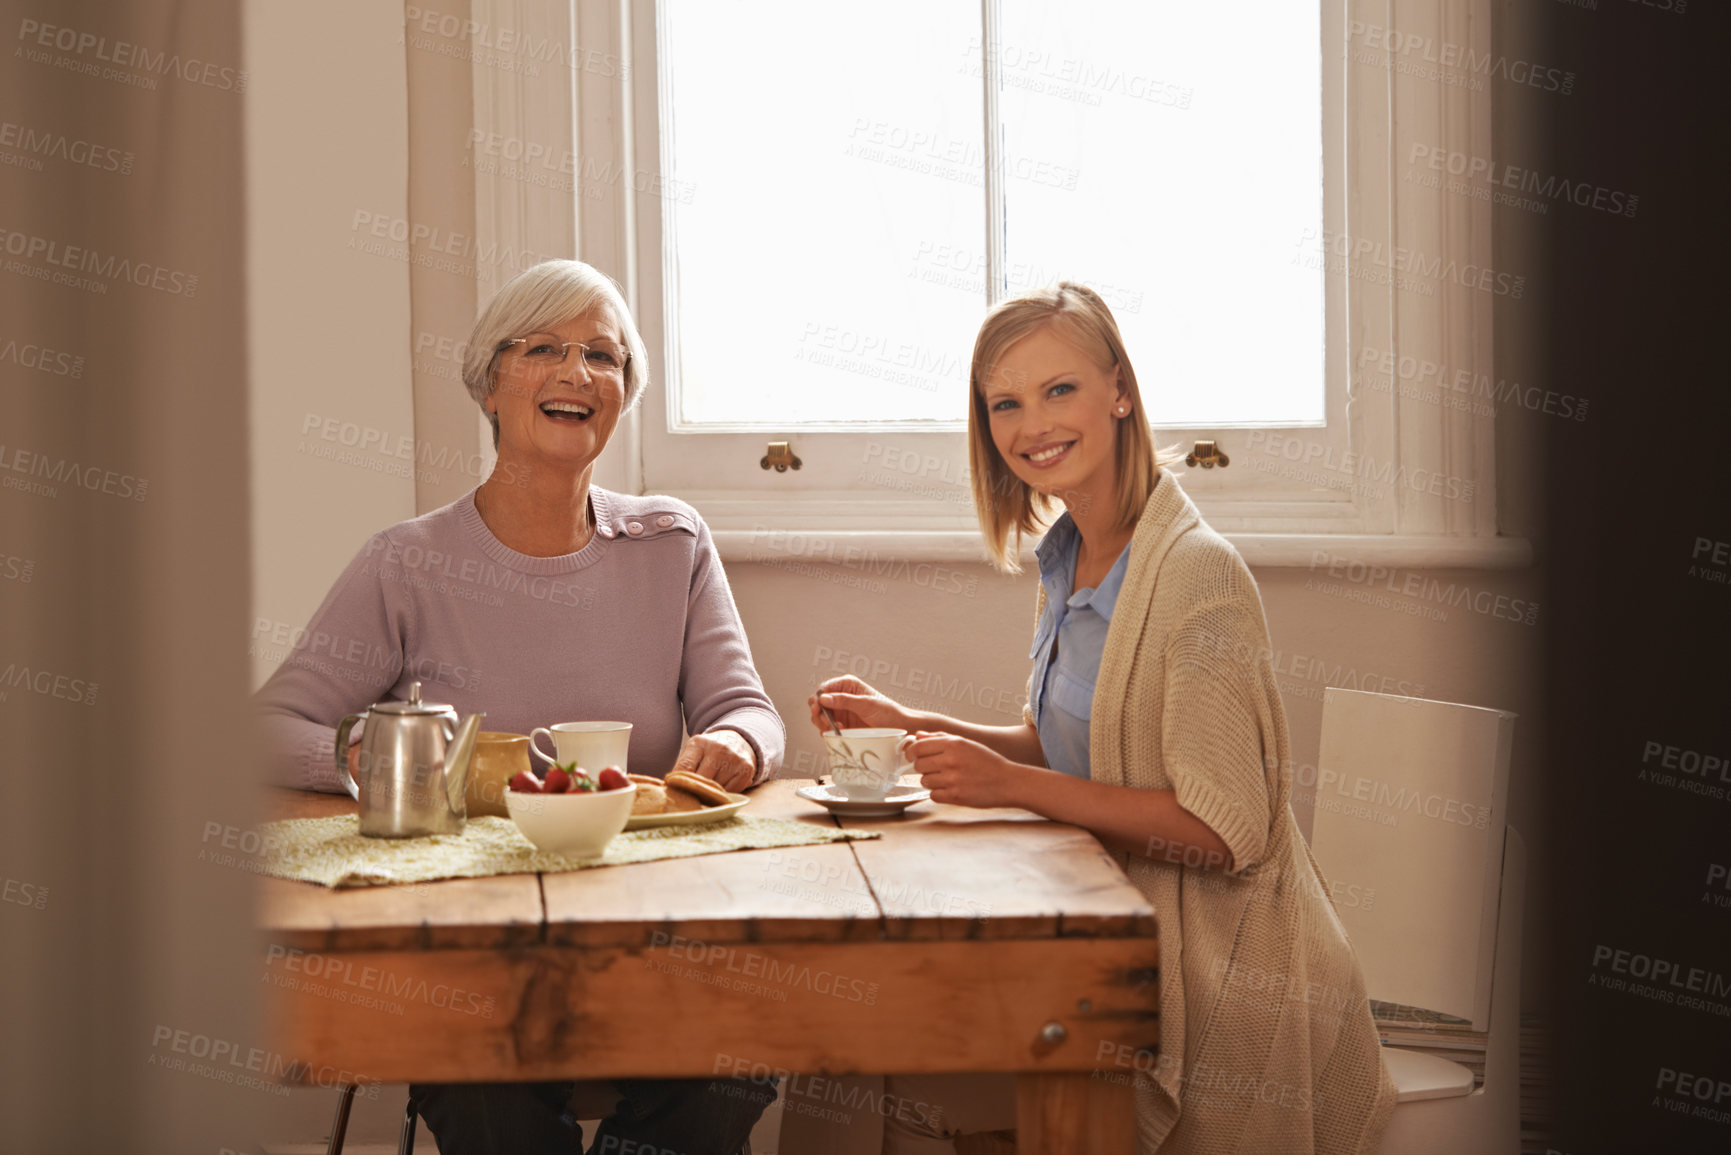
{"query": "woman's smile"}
pixel 567 412
pixel 1048 455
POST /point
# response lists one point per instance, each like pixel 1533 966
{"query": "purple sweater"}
pixel 638 626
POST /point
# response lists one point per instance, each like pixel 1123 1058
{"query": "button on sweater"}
pixel 638 626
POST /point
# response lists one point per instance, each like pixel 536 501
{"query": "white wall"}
pixel 326 137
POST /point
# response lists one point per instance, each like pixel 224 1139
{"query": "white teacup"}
pixel 865 763
pixel 594 746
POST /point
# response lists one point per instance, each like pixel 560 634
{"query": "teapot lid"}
pixel 414 705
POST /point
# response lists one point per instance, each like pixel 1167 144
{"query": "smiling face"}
pixel 559 414
pixel 1051 412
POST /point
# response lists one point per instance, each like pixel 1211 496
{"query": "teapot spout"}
pixel 459 757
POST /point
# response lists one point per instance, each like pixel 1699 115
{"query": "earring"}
pixel 1122 410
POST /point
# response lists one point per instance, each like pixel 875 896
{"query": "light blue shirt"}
pixel 1067 646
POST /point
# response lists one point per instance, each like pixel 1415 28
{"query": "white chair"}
pixel 1410 805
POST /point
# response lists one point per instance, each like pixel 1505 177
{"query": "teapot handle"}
pixel 343 775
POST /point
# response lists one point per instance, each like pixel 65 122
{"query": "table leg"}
pixel 1074 1114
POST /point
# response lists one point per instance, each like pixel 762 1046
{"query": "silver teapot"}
pixel 413 764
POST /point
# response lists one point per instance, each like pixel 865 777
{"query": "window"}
pixel 831 196
pixel 801 236
pixel 854 235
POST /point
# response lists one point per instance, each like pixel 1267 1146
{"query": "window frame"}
pixel 1371 116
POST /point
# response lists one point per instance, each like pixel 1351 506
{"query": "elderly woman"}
pixel 540 598
pixel 1155 722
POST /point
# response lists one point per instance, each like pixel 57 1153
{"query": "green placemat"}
pixel 332 851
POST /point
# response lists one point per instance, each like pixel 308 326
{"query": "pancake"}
pixel 651 796
pixel 680 801
pixel 707 791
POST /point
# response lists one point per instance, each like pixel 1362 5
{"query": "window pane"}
pixel 1171 157
pixel 828 180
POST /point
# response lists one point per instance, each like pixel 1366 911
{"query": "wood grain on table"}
pixel 962 940
pixel 939 872
pixel 947 872
pixel 790 894
pixel 818 1007
pixel 502 911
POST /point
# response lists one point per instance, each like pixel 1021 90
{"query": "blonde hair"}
pixel 544 297
pixel 1008 506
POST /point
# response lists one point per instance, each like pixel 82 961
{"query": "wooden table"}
pixel 962 940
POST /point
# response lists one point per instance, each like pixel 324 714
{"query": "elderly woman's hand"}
pixel 723 755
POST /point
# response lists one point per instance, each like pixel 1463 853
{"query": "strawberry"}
pixel 558 781
pixel 525 782
pixel 613 778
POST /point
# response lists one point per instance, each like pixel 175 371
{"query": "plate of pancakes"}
pixel 683 798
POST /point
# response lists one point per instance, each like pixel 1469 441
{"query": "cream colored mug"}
pixel 594 746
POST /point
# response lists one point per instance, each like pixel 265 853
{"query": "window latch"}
pixel 780 456
pixel 1207 454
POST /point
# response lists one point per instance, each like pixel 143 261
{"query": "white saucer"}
pixel 893 804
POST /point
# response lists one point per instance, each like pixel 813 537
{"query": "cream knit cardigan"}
pixel 1266 1039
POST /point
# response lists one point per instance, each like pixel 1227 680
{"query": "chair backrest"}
pixel 1410 811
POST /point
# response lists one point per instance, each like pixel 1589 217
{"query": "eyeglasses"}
pixel 601 358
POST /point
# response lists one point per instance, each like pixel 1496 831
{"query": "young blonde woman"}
pixel 1154 721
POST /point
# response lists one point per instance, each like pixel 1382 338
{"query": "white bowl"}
pixel 578 825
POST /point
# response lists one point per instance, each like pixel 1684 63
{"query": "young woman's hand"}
pixel 856 704
pixel 965 773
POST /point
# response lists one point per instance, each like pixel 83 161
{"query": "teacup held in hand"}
pixel 865 762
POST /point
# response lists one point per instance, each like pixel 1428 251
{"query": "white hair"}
pixel 540 298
